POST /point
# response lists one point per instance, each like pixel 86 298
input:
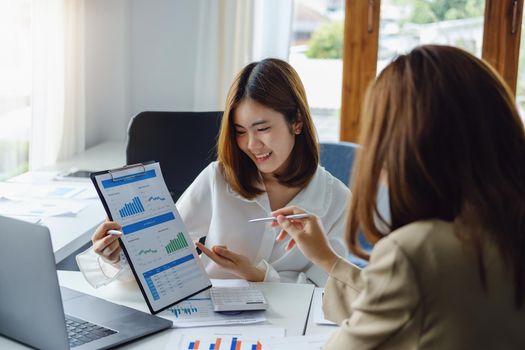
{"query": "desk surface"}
pixel 70 233
pixel 104 156
pixel 289 305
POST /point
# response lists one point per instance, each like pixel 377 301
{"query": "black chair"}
pixel 183 142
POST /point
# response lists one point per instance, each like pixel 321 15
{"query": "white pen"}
pixel 114 232
pixel 273 218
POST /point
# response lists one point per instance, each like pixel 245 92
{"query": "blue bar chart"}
pixel 176 310
pixel 131 208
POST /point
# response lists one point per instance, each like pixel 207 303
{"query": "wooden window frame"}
pixel 501 44
pixel 360 47
pixel 501 38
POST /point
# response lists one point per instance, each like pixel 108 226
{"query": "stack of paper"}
pixel 305 342
pixel 43 200
pixel 41 208
pixel 11 190
pixel 197 311
pixel 225 338
pixel 317 307
pixel 246 338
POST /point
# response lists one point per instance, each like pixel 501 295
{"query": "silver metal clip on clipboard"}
pixel 115 172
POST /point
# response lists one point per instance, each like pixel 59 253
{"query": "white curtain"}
pixel 74 101
pixel 231 34
pixel 58 112
pixel 272 29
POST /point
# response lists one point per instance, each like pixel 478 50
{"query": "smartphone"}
pixel 74 174
pixel 79 173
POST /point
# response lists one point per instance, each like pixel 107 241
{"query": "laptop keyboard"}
pixel 80 332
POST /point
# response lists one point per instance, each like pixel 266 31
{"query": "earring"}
pixel 298 131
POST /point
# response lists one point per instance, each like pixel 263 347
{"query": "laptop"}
pixel 34 310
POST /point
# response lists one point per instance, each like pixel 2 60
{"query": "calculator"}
pixel 237 299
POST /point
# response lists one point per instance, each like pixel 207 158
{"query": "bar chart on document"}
pixel 153 234
pixel 225 338
pixel 225 343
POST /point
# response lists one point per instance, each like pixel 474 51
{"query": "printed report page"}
pixel 154 235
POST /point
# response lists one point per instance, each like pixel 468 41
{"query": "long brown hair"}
pixel 443 127
pixel 274 84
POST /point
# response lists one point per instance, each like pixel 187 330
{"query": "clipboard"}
pixel 155 241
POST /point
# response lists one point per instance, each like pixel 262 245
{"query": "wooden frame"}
pixel 501 38
pixel 361 35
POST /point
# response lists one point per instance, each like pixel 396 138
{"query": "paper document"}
pixel 41 207
pixel 88 193
pixel 246 338
pixel 22 190
pixel 229 283
pixel 197 311
pixel 34 177
pixel 305 342
pixel 317 307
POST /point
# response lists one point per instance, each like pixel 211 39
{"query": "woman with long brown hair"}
pixel 268 158
pixel 442 130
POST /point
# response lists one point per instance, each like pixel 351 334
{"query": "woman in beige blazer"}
pixel 448 271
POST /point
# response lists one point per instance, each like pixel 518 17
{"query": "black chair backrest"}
pixel 183 142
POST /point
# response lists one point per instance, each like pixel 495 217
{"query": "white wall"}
pixel 140 55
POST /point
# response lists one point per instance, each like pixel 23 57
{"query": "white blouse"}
pixel 209 207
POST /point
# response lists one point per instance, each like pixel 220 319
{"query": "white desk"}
pixel 70 233
pixel 313 328
pixel 288 307
pixel 103 156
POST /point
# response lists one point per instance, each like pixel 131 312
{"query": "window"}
pixel 377 31
pixel 15 86
pixel 316 54
pixel 405 24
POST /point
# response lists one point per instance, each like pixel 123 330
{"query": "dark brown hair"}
pixel 443 127
pixel 274 84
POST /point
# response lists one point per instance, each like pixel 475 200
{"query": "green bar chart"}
pixel 175 244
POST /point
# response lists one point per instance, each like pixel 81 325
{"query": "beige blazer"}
pixel 422 290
